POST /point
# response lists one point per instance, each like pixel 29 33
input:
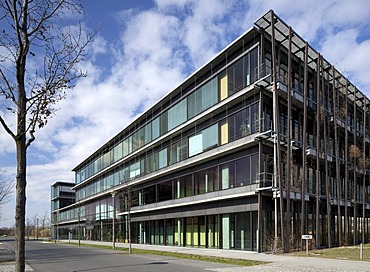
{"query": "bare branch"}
pixel 7 129
pixel 10 93
pixel 46 17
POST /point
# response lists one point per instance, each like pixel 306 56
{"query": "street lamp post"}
pixel 37 229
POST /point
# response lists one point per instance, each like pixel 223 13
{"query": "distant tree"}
pixel 44 224
pixel 39 58
pixel 6 188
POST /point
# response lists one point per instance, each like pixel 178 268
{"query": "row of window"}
pixel 233 174
pixel 237 173
pixel 235 78
pixel 229 129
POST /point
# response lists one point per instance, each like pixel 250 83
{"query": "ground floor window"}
pixel 226 231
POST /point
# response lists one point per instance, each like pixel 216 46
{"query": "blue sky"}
pixel 144 49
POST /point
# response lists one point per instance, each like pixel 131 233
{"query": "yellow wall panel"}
pixel 224 133
pixel 223 88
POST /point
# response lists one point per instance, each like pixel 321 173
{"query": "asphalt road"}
pixel 63 257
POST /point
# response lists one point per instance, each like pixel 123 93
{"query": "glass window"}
pixel 235 76
pixel 195 145
pixel 203 98
pixel 177 114
pixel 155 128
pixel 207 139
pixel 125 147
pixel 134 170
pixel 254 167
pixel 162 158
pixel 184 186
pixel 254 117
pixel 106 159
pixel 228 175
pixel 177 152
pixel 148 133
pixel 149 164
pixel 210 137
pixel 209 94
pixel 149 195
pixel 164 122
pixel 117 152
pixel 110 182
pixel 165 191
pixel 253 65
pixel 224 177
pixel 194 103
pixel 205 181
pixel 242 169
pixel 138 139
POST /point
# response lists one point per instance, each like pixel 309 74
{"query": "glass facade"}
pixel 241 75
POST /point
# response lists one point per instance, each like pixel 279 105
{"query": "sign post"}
pixel 307 237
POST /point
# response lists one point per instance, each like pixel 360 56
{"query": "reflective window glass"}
pixel 177 114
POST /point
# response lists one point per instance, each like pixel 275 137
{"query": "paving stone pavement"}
pixel 277 263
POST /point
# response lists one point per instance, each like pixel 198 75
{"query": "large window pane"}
pixel 163 158
pixel 149 195
pixel 155 128
pixel 209 94
pixel 253 65
pixel 210 137
pixel 177 114
pixel 138 139
pixel 148 133
pixel 242 176
pixel 254 167
pixel 117 152
pixel 164 122
pixel 235 75
pixel 165 191
pixel 203 98
pixel 134 170
pixel 195 145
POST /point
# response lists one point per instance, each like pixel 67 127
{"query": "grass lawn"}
pixel 214 259
pixel 342 253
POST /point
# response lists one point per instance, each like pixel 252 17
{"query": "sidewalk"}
pixel 276 262
pixel 5 254
pixel 284 262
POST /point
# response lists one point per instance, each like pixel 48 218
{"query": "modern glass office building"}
pixel 263 144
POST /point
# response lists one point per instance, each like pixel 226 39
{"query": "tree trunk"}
pixel 20 207
pixel 21 146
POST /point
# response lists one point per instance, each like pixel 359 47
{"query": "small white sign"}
pixel 307 237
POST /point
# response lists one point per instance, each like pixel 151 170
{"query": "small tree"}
pixel 38 64
pixel 6 187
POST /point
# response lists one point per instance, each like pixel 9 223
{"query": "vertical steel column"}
pixel 355 230
pixel 364 166
pixel 318 187
pixel 304 144
pixel 260 147
pixel 289 146
pixel 328 207
pixel 275 127
pixel 337 169
pixel 346 170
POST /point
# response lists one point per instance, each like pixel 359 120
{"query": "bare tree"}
pixel 44 223
pixel 39 59
pixel 6 186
